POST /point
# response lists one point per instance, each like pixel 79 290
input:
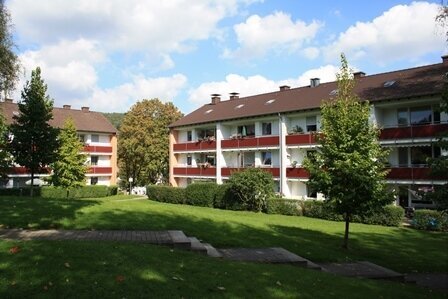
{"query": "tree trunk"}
pixel 347 225
pixel 32 183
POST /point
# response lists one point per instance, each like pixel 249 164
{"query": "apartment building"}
pixel 97 133
pixel 275 131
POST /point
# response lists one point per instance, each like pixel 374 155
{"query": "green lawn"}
pixel 401 249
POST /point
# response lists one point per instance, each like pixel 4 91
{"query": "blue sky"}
pixel 110 54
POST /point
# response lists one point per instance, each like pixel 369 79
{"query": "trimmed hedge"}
pixel 55 192
pixel 224 198
pixel 166 194
pixel 201 194
pixel 430 220
pixel 282 206
pixel 388 216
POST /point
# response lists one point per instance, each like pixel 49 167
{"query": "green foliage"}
pixel 284 206
pixel 201 194
pixel 224 198
pixel 349 166
pixel 26 191
pixel 389 215
pixel 10 66
pixel 166 194
pixel 69 169
pixel 252 188
pixel 143 146
pixel 112 190
pixel 5 155
pixel 35 144
pixel 430 220
pixel 115 118
pixel 80 192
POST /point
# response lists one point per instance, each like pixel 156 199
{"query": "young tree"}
pixel 143 146
pixel 348 169
pixel 34 143
pixel 10 67
pixel 70 168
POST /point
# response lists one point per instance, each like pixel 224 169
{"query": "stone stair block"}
pixel 197 246
pixel 212 251
pixel 180 240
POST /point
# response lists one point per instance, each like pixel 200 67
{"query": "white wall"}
pixel 104 161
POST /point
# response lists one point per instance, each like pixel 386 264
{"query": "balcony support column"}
pixel 219 154
pixel 172 158
pixel 283 131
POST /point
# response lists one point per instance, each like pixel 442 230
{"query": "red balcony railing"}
pixel 418 131
pixel 23 170
pixel 195 171
pixel 227 171
pixel 298 139
pixel 297 172
pixel 410 173
pixel 99 170
pixel 97 149
pixel 250 142
pixel 195 146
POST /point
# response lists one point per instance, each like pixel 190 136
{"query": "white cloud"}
pixel 259 35
pixel 257 84
pixel 311 52
pixel 402 32
pixel 132 25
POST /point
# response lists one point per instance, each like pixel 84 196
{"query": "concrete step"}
pixel 180 240
pixel 196 245
pixel 212 251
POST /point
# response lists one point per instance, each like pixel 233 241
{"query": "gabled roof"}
pixel 409 83
pixel 88 121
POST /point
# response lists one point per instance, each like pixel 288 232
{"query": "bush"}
pixel 166 194
pixel 320 209
pixel 201 194
pixel 430 220
pixel 112 190
pixel 224 198
pixel 252 188
pixel 388 216
pixel 81 192
pixel 25 191
pixel 284 206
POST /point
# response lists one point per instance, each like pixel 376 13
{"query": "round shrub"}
pixel 166 194
pixel 430 220
pixel 201 194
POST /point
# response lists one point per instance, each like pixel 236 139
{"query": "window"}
pixel 266 128
pixel 95 138
pixel 246 130
pixel 207 133
pixel 403 159
pixel 266 158
pixel 420 154
pixel 94 160
pixel 421 115
pixel 82 137
pixel 189 136
pixel 311 124
pixel 437 151
pixel 310 192
pixel 402 117
pixel 436 114
pixel 210 159
pixel 189 160
pixel 94 180
pixel 246 159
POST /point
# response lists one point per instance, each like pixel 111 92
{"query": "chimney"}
pixel 216 98
pixel 357 75
pixel 445 59
pixel 284 87
pixel 234 96
pixel 85 109
pixel 67 107
pixel 8 100
pixel 314 82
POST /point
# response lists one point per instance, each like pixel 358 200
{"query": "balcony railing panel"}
pixel 410 173
pixel 299 139
pixel 195 146
pixel 227 171
pixel 419 131
pixel 97 149
pixel 250 142
pixel 297 172
pixel 100 170
pixel 195 171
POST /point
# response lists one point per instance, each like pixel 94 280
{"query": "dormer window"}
pixel 270 102
pixel 208 111
pixel 389 83
pixel 239 106
pixel 333 92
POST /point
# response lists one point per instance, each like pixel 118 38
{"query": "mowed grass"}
pixel 80 269
pixel 401 249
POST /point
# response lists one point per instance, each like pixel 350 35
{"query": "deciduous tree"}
pixel 70 168
pixel 143 146
pixel 34 143
pixel 9 63
pixel 5 155
pixel 348 169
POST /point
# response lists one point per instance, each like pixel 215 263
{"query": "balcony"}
pixel 248 142
pixel 297 172
pixel 410 132
pixel 195 171
pixel 410 173
pixel 227 171
pixel 20 170
pixel 195 146
pixel 97 149
pixel 100 170
pixel 301 139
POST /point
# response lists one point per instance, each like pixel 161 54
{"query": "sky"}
pixel 108 55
